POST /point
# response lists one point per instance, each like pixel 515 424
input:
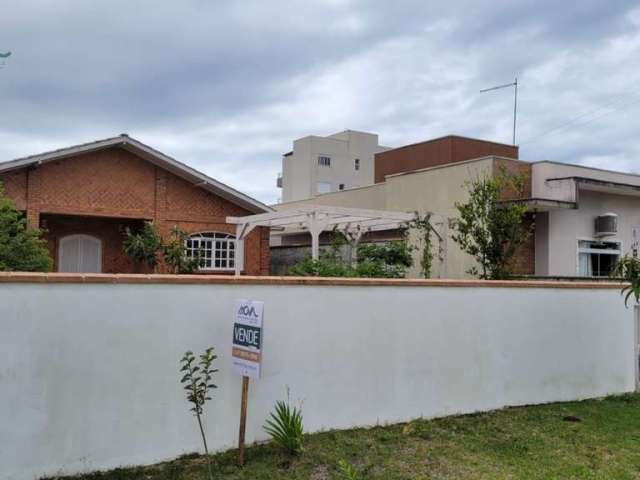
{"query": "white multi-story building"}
pixel 319 165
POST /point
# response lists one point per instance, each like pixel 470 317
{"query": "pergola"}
pixel 353 222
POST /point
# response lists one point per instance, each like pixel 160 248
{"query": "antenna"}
pixel 515 101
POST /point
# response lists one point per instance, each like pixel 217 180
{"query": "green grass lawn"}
pixel 579 440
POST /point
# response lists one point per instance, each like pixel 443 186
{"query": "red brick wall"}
pixel 524 260
pixel 111 182
pixel 515 168
pixel 15 186
pixel 439 151
pixel 116 184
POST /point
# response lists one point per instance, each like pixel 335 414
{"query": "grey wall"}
pixel 89 372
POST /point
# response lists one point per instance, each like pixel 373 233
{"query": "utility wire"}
pixel 604 110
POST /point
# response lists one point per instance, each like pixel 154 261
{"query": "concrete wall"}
pixel 565 190
pixel 89 371
pixel 435 189
pixel 301 173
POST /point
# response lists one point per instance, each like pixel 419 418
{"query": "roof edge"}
pixel 162 160
pixel 444 137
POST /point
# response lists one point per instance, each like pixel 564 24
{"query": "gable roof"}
pixel 151 155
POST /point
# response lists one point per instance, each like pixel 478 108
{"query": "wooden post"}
pixel 243 419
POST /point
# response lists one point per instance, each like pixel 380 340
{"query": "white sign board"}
pixel 246 349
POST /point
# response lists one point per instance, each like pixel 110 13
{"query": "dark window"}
pixel 324 161
pixel 597 258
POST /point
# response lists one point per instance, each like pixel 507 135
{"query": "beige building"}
pixel 434 189
pixel 585 218
pixel 599 219
pixel 319 165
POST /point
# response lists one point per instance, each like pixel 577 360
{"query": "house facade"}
pixel 568 205
pixel 592 218
pixel 86 197
pixel 432 190
pixel 318 165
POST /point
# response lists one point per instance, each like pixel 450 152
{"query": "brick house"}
pixel 84 197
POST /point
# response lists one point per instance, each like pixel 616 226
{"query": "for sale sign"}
pixel 247 338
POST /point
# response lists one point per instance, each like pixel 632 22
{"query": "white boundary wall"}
pixel 89 372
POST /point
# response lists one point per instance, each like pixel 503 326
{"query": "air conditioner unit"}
pixel 606 225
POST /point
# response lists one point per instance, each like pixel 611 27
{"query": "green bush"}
pixel 143 246
pixel 175 255
pixel 389 260
pixel 146 245
pixel 21 249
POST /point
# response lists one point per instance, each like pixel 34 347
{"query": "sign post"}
pixel 247 355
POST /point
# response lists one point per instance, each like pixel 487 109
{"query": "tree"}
pixel 422 228
pixel 489 229
pixel 143 246
pixel 175 255
pixel 197 380
pixel 146 245
pixel 22 249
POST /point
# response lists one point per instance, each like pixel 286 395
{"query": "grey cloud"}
pixel 227 86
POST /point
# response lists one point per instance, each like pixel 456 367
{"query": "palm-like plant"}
pixel 347 472
pixel 285 427
pixel 628 268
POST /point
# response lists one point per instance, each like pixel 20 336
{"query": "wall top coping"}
pixel 24 277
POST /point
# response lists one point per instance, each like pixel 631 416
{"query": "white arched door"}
pixel 80 253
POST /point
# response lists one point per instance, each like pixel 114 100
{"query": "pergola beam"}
pixel 316 218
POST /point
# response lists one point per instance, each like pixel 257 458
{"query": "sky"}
pixel 227 86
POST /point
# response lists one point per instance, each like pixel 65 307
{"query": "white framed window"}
pixel 356 164
pixel 324 161
pixel 324 187
pixel 597 258
pixel 217 250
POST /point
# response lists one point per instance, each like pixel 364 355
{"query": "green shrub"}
pixel 389 260
pixel 143 246
pixel 175 254
pixel 285 427
pixel 146 245
pixel 22 249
